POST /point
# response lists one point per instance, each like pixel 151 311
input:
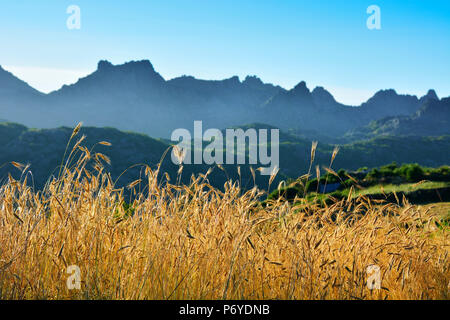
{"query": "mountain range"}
pixel 129 104
pixel 135 97
pixel 432 119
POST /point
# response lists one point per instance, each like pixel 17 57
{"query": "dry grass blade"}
pixel 18 165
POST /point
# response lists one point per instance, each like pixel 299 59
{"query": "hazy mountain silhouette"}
pixel 11 87
pixel 134 97
pixel 432 119
pixel 17 98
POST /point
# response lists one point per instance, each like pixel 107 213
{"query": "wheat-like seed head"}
pixel 313 150
pixel 335 152
pixel 76 130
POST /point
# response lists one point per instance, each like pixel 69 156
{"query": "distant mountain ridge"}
pixel 9 85
pixel 432 119
pixel 134 96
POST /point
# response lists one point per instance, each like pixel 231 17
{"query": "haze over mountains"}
pixel 432 119
pixel 135 97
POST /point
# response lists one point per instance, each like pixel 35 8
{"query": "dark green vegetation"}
pixel 43 150
pixel 390 182
pixel 427 151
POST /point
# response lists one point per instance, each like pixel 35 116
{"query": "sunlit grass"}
pixel 197 242
pixel 405 187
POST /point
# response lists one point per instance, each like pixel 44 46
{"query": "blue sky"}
pixel 325 43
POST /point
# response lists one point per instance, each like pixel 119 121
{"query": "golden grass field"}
pixel 197 242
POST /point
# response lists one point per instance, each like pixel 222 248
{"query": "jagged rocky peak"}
pixel 141 71
pixel 301 89
pixel 321 95
pixel 104 65
pixel 385 93
pixel 431 94
pixel 132 66
pixel 253 81
pixel 385 96
pixel 144 64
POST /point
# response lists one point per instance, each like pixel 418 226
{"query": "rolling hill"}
pixel 44 149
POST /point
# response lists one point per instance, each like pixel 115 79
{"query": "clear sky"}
pixel 325 43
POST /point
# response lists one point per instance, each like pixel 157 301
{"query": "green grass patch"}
pixel 406 187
